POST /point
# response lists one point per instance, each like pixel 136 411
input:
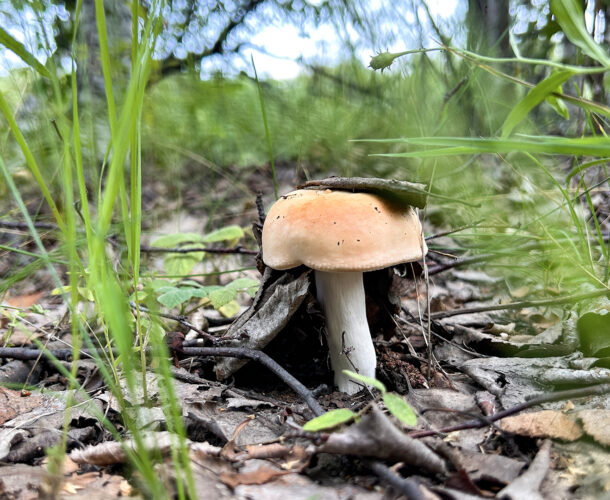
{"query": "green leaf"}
pixel 366 380
pixel 174 240
pixel 242 283
pixel 248 285
pixel 559 106
pixel 205 291
pixel 157 283
pixel 222 296
pixel 173 296
pixel 19 49
pixel 399 408
pixel 224 234
pixel 571 18
pixel 534 97
pixel 330 419
pixel 180 264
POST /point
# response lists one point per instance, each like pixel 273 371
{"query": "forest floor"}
pixel 508 405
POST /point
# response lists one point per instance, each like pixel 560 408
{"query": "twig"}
pixel 452 231
pixel 594 390
pixel 267 362
pixel 233 250
pixel 407 487
pixel 180 319
pixel 475 259
pixel 524 303
pixel 23 225
pixel 231 352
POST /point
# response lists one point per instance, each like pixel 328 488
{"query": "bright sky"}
pixel 275 48
pixel 282 45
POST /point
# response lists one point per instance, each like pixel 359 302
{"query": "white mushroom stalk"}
pixel 341 296
pixel 340 235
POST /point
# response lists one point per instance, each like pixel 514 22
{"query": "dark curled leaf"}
pixel 407 193
pixel 279 296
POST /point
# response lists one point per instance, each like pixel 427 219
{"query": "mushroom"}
pixel 341 234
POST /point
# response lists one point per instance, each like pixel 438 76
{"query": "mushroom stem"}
pixel 341 296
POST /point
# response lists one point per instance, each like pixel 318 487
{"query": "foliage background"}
pixel 125 112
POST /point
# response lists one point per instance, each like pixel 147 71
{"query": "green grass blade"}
pixel 592 106
pixel 19 49
pixel 100 17
pixel 44 255
pixel 451 146
pixel 267 134
pixel 30 160
pixel 571 18
pixel 534 97
pixel 584 166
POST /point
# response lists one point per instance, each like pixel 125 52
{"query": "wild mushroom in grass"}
pixel 341 234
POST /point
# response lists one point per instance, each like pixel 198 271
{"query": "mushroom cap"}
pixel 340 231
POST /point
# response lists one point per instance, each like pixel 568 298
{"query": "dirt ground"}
pixel 510 400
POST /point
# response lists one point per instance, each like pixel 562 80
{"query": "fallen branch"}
pixel 483 421
pixel 407 487
pixel 235 250
pixel 475 259
pixel 519 305
pixel 267 362
pixel 26 353
pixel 455 230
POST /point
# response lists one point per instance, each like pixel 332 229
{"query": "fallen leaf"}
pixel 24 301
pixel 596 424
pixel 12 403
pixel 94 485
pixel 528 484
pixel 544 424
pixel 112 452
pixel 262 475
pixel 374 435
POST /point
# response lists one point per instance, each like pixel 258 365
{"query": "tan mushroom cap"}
pixel 340 231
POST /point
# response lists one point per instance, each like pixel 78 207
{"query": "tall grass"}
pixel 89 263
pixel 550 238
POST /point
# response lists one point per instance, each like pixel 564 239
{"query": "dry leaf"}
pixel 596 424
pixel 12 403
pixel 94 485
pixel 544 424
pixel 262 475
pixel 24 301
pixel 112 452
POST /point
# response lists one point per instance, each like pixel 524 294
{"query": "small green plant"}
pixel 182 263
pixel 393 402
pixel 219 296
